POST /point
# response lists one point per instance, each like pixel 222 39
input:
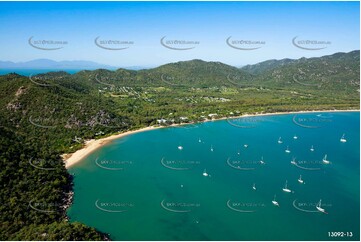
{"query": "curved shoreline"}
pixel 92 145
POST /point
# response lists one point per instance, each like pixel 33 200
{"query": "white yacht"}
pixel 205 173
pixel 285 189
pixel 280 140
pixel 287 150
pixel 274 201
pixel 343 140
pixel 254 186
pixel 295 137
pixel 312 149
pixel 325 161
pixel 300 180
pixel 319 208
pixel 180 147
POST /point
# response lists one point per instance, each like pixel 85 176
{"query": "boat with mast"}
pixel 286 189
pixel 274 201
pixel 319 208
pixel 300 180
pixel 343 139
pixel 324 160
pixel 254 186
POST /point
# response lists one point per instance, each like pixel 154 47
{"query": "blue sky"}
pixel 145 23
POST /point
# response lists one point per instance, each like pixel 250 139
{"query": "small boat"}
pixel 295 137
pixel 300 180
pixel 285 189
pixel 261 161
pixel 325 161
pixel 319 208
pixel 312 149
pixel 274 201
pixel 287 150
pixel 280 140
pixel 205 173
pixel 180 147
pixel 238 152
pixel 343 140
pixel 254 186
pixel 212 148
pixel 199 140
pixel 245 146
pixel 293 161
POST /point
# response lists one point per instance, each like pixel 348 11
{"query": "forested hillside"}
pixel 44 116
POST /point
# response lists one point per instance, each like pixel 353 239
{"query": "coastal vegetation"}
pixel 47 115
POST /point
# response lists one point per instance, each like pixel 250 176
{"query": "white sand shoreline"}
pixel 92 145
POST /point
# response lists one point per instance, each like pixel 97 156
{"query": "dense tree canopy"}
pixel 44 116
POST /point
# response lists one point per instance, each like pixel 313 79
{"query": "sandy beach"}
pixel 92 145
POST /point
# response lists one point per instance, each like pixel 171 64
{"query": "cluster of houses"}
pixel 185 119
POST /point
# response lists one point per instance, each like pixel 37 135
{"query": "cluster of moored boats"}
pixel 285 188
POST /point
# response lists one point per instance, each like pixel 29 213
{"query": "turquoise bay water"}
pixel 142 187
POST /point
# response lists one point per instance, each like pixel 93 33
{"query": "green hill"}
pixel 46 115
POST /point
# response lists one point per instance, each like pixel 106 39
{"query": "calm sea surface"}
pixel 195 182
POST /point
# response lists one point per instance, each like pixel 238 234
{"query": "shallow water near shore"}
pixel 168 184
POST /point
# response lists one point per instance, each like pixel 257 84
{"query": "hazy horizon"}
pixel 141 34
pixel 135 67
